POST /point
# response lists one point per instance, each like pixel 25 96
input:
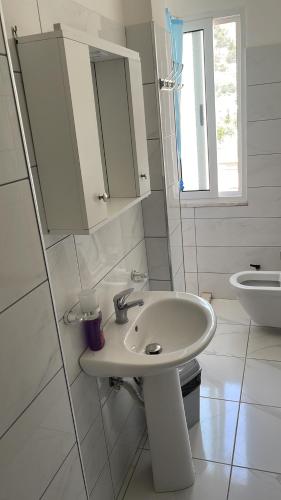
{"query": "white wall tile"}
pixel 25 118
pixel 151 111
pixel 170 160
pixel 238 232
pixel 262 202
pixel 12 157
pixel 73 343
pixel 155 164
pixel 176 250
pixel 217 284
pixel 187 212
pixel 120 279
pixel 158 258
pixel 68 483
pixel 64 275
pixel 191 280
pixel 264 170
pixel 100 252
pixel 29 338
pixel 161 52
pixel 190 259
pixel 173 207
pixel 86 404
pixel 188 232
pixel 263 64
pixel 126 446
pixel 20 252
pixel 263 137
pixel 235 259
pixel 112 30
pixel 68 12
pixel 179 281
pixel 104 389
pixel 23 14
pixel 33 450
pixel 264 101
pixel 115 413
pixel 154 215
pixel 103 488
pixel 94 453
pixel 139 38
pixel 160 285
pixel 165 115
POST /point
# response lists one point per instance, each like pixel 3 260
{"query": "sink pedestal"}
pixel 168 434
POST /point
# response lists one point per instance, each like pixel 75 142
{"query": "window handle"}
pixel 201 114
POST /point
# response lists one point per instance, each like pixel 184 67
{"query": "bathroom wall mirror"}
pixel 85 102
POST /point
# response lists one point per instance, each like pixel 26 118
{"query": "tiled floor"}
pixel 237 445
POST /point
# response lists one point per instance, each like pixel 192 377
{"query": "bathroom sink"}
pixel 177 326
pixel 181 324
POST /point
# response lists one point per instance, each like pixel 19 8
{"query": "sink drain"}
pixel 153 349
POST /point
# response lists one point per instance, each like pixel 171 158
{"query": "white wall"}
pixel 109 424
pixel 262 17
pixel 219 241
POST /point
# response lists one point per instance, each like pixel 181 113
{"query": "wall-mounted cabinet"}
pixel 85 102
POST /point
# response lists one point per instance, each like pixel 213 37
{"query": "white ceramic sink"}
pixel 183 324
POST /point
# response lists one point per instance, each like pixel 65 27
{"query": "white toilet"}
pixel 260 294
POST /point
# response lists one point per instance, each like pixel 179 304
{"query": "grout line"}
pixel 23 296
pixel 137 457
pixel 238 415
pixel 14 181
pixel 56 242
pixel 236 466
pixel 264 120
pixel 246 217
pixel 58 470
pixel 265 154
pixel 196 250
pixel 30 403
pixel 260 404
pixel 39 17
pixel 99 476
pixel 265 83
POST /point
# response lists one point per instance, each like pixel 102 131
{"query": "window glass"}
pixel 225 72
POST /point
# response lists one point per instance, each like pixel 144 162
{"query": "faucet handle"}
pixel 120 298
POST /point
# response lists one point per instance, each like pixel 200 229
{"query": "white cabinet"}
pixel 86 110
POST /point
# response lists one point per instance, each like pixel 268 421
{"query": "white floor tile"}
pixel 264 343
pixel 262 382
pixel 229 340
pixel 258 441
pixel 211 482
pixel 221 376
pixel 230 311
pixel 213 437
pixel 248 484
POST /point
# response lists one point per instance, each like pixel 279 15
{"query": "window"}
pixel 211 110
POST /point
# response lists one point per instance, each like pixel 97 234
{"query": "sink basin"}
pixel 183 324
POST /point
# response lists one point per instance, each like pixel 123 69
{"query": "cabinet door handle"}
pixel 103 197
pixel 143 176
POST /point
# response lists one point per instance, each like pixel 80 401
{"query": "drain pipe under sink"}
pixel 118 382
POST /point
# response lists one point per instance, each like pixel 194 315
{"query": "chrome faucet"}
pixel 121 306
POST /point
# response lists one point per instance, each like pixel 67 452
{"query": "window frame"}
pixel 213 196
